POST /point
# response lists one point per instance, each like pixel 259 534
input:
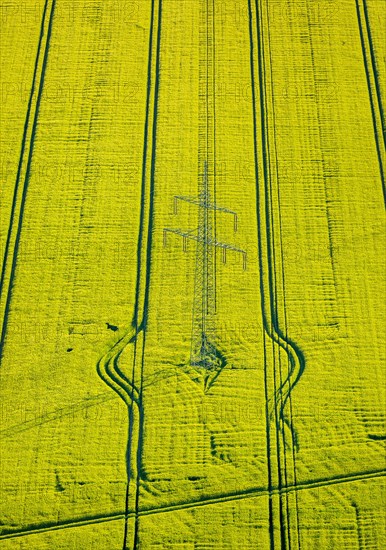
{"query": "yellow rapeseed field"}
pixel 193 275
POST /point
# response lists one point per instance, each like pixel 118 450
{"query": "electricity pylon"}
pixel 205 355
pixel 206 359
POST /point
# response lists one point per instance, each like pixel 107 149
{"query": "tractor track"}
pixel 356 477
pixel 283 383
pixel 373 88
pixel 375 71
pixel 130 389
pixel 8 271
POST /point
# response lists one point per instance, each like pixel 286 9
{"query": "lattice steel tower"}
pixel 205 355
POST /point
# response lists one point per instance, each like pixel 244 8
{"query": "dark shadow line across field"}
pixel 141 326
pixel 28 169
pixel 283 421
pixel 129 394
pixel 371 98
pixel 22 149
pixel 266 392
pixel 138 326
pixel 293 351
pixel 269 310
pixel 85 403
pixel 108 366
pixel 272 277
pixel 375 70
pixel 56 414
pixel 224 498
pixel 149 243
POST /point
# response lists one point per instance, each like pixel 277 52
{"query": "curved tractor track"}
pixel 282 443
pixel 130 389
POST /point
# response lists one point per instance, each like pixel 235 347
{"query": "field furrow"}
pixel 192 286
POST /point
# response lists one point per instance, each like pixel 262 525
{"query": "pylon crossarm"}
pixel 227 246
pixel 184 234
pixel 224 246
pixel 194 237
pixel 209 206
